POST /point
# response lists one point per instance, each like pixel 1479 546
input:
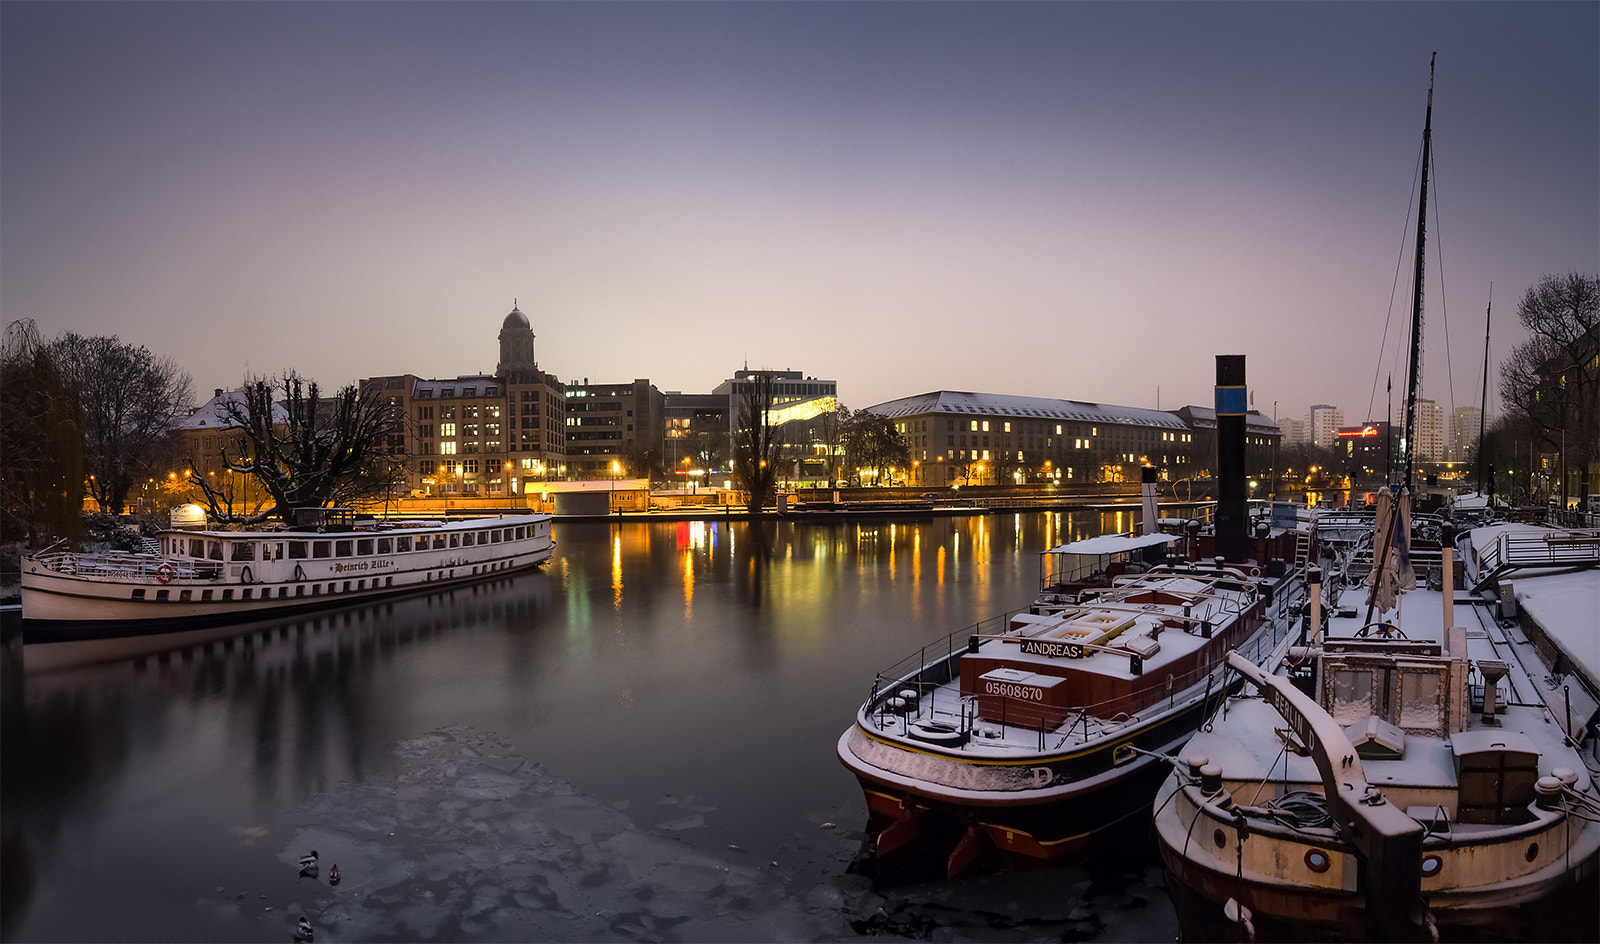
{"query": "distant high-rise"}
pixel 1295 432
pixel 1464 423
pixel 1323 422
pixel 1430 431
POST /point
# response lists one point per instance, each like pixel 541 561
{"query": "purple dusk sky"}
pixel 1074 200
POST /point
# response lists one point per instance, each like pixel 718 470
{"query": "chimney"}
pixel 1231 399
pixel 1147 493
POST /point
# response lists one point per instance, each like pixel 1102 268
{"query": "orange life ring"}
pixel 165 572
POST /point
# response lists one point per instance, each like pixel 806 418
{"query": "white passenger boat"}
pixel 1415 775
pixel 200 577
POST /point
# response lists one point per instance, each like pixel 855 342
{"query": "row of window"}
pixel 211 549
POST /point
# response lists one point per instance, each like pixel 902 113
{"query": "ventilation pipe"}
pixel 1147 492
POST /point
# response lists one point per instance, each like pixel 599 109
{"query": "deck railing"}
pixel 124 565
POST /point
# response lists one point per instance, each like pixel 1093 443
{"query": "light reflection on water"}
pixel 652 665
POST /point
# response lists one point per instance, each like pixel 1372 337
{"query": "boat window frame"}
pixel 363 547
pixel 321 550
pixel 386 545
pixel 299 550
pixel 242 551
pixel 344 548
pixel 402 544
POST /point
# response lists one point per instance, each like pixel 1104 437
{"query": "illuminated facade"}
pixel 614 429
pixel 959 438
pixel 482 435
pixel 1366 453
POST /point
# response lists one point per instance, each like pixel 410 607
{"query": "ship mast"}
pixel 1414 379
pixel 1483 405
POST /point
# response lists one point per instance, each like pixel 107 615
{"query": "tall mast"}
pixel 1483 405
pixel 1415 379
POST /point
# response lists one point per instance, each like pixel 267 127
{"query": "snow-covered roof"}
pixel 213 414
pixel 479 385
pixel 1205 416
pixel 999 404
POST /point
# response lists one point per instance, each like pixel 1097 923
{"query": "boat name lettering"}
pixel 362 565
pixel 1013 690
pixel 1055 650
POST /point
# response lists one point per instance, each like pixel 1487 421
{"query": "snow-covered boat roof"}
pixel 1113 544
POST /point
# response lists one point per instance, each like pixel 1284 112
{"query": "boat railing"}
pixel 127 565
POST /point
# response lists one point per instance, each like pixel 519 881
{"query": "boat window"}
pixel 246 594
pixel 205 595
pixel 466 539
pixel 321 548
pixel 342 548
pixel 244 551
pixel 214 550
pixel 495 536
pixel 138 594
pixel 197 547
pixel 364 547
pixel 402 544
pixel 162 595
pixel 386 545
pixel 299 590
pixel 438 541
pixel 1420 707
pixel 455 540
pixel 297 550
pixel 227 594
pixel 1352 695
pixel 520 535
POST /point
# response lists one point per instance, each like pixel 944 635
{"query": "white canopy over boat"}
pixel 1107 544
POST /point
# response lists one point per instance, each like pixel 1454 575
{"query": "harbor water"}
pixel 635 744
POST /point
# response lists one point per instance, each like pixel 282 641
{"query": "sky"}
pixel 1087 201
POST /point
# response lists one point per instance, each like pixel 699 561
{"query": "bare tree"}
pixel 310 451
pixel 129 400
pixel 1552 380
pixel 707 442
pixel 872 442
pixel 41 448
pixel 757 441
pixel 830 429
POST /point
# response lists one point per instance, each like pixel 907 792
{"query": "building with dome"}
pixel 481 435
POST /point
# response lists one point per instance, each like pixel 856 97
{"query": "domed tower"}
pixel 516 344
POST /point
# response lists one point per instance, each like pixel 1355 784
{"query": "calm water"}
pixel 687 680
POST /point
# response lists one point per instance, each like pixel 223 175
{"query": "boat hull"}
pixel 1083 794
pixel 244 577
pixel 1557 904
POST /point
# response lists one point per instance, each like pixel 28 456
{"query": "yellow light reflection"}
pixel 616 572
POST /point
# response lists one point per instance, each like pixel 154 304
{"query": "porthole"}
pixel 1431 865
pixel 1317 860
pixel 1533 851
pixel 1220 838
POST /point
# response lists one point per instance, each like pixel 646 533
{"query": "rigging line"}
pixel 1405 229
pixel 1444 308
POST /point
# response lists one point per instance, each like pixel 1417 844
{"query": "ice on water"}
pixel 471 842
